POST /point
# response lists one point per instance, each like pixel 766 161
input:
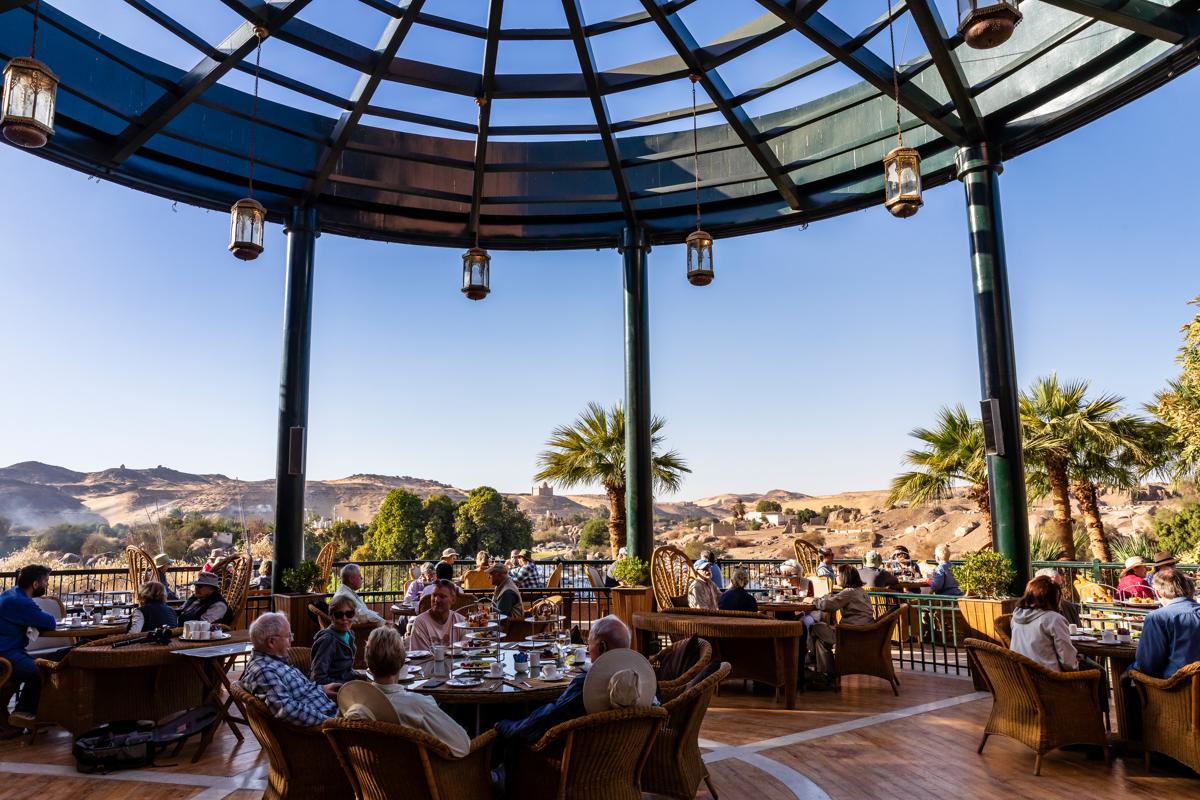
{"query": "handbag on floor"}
pixel 131 744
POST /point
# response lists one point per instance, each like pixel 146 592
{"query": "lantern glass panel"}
pixel 247 226
pixel 29 94
pixel 910 178
pixel 891 181
pixel 476 269
pixel 965 7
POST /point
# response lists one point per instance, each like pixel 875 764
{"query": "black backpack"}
pixel 135 743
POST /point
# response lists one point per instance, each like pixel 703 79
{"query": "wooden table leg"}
pixel 212 674
pixel 786 649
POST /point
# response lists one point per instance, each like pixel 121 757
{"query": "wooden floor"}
pixel 854 744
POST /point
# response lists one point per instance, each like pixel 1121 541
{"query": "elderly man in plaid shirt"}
pixel 525 572
pixel 287 691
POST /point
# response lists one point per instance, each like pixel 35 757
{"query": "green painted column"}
pixel 979 169
pixel 639 489
pixel 302 233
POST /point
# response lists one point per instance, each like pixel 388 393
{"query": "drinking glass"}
pixel 89 604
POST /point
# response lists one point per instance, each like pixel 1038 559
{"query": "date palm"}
pixel 953 453
pixel 1074 445
pixel 592 451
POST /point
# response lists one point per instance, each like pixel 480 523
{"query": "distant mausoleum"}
pixel 545 490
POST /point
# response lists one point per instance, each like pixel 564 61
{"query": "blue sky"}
pixel 130 335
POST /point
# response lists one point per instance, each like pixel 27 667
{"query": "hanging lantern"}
pixel 27 117
pixel 985 24
pixel 902 181
pixel 477 267
pixel 699 258
pixel 246 220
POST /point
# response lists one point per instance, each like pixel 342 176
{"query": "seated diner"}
pixel 507 597
pixel 702 592
pixel 206 603
pixel 1039 631
pixel 943 580
pixel 152 610
pixel 352 581
pixel 19 614
pixel 736 598
pixel 1133 580
pixel 333 648
pixel 287 692
pixel 1171 634
pixel 436 626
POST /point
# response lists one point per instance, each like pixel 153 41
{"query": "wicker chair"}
pixel 324 561
pixel 300 759
pixel 385 760
pixel 234 572
pixel 1171 715
pixel 675 767
pixel 555 579
pixel 821 585
pixel 867 649
pixel 1092 592
pixel 476 579
pixel 598 755
pixel 806 556
pixel 361 631
pixel 668 689
pixel 1041 709
pixel 141 566
pixel 671 574
pixel 1004 629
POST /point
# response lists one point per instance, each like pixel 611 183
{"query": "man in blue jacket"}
pixel 18 613
pixel 1170 635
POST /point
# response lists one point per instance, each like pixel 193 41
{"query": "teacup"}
pixel 550 671
pixel 439 652
pixel 1073 628
pixel 580 656
pixel 495 670
pixel 1108 635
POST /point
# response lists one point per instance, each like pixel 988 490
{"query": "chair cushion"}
pixel 709 669
pixel 679 601
pixel 681 658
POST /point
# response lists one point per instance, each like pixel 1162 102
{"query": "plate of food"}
pixel 491 635
pixel 474 664
pixel 465 682
pixel 415 654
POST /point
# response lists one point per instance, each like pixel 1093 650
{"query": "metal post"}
pixel 978 170
pixel 639 490
pixel 302 236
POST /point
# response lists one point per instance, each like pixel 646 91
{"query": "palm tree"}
pixel 739 509
pixel 1073 443
pixel 953 453
pixel 592 450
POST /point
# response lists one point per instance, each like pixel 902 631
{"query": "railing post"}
pixel 978 169
pixel 292 443
pixel 1097 575
pixel 639 489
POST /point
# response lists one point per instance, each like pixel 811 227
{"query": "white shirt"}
pixel 421 713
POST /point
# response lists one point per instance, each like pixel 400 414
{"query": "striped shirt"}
pixel 287 692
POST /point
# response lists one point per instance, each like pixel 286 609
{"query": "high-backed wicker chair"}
pixel 675 767
pixel 1092 592
pixel 1041 709
pixel 598 755
pixel 555 579
pixel 299 758
pixel 1004 629
pixel 671 574
pixel 867 649
pixel 324 561
pixel 476 579
pixel 1171 715
pixel 670 688
pixel 234 572
pixel 141 566
pixel 806 556
pixel 384 760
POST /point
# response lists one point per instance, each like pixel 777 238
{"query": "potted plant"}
pixel 985 577
pixel 634 594
pixel 301 585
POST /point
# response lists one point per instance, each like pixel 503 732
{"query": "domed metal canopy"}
pixel 537 123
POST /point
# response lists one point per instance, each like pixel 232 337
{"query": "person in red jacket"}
pixel 1133 580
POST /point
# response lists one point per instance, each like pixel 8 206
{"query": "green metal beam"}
pixel 1140 16
pixel 487 85
pixel 978 169
pixel 639 483
pixel 933 31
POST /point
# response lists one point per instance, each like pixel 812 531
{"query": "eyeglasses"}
pixel 342 614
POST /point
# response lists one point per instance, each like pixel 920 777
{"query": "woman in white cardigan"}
pixel 1039 631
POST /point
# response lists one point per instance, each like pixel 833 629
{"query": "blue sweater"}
pixel 18 612
pixel 944 582
pixel 1170 639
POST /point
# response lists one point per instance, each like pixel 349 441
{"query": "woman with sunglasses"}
pixel 333 649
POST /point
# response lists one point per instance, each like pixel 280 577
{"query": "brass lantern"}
pixel 985 24
pixel 477 267
pixel 246 220
pixel 902 181
pixel 27 117
pixel 699 258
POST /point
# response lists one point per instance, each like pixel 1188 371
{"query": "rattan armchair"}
pixel 324 562
pixel 141 567
pixel 671 574
pixel 383 760
pixel 595 756
pixel 555 579
pixel 1004 629
pixel 234 572
pixel 302 765
pixel 807 556
pixel 867 649
pixel 668 689
pixel 675 767
pixel 1171 715
pixel 1041 709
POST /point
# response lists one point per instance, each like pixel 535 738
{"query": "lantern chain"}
pixel 37 12
pixel 895 75
pixel 259 33
pixel 696 149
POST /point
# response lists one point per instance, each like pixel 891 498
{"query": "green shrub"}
pixel 767 506
pixel 1179 532
pixel 594 533
pixel 984 573
pixel 304 577
pixel 1044 547
pixel 632 571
